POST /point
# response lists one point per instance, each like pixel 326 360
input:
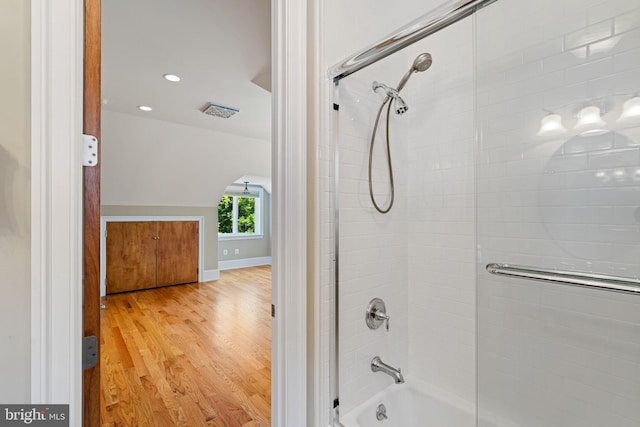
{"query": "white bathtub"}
pixel 412 404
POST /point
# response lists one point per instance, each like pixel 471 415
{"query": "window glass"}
pixel 239 213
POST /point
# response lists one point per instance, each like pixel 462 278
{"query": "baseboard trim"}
pixel 210 275
pixel 243 263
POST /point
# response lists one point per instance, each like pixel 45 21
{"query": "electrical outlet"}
pixel 225 252
pixel 237 251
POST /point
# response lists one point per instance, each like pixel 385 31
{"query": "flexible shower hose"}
pixel 373 139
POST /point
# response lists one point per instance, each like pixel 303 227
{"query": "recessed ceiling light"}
pixel 144 108
pixel 172 77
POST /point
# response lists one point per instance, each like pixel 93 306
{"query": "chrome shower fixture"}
pixel 401 107
pixel 421 63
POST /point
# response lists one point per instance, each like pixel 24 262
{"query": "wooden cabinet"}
pixel 148 254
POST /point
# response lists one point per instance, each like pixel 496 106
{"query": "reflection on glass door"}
pixel 558 183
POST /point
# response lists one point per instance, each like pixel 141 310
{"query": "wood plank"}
pixel 131 256
pixel 91 208
pixel 123 352
pixel 177 252
pixel 197 354
pixel 161 415
pixel 133 402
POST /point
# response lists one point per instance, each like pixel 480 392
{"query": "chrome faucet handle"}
pixel 383 317
pixel 376 314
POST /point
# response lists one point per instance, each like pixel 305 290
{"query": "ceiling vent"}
pixel 219 111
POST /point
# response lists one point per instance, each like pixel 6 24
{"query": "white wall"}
pixel 15 354
pixel 420 256
pixel 579 348
pixel 373 247
pixel 552 355
pixel 348 27
pixel 153 167
pixel 441 230
pixel 148 162
pixel 337 36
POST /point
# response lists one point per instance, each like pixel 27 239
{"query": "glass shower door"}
pixel 558 188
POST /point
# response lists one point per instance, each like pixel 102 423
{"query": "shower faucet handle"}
pixel 383 317
pixel 377 314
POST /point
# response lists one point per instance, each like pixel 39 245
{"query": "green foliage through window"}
pixel 225 215
pixel 244 222
pixel 246 215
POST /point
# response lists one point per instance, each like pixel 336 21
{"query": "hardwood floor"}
pixel 189 355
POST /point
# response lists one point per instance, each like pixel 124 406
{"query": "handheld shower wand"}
pixel 421 63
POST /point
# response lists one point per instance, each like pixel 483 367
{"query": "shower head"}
pixel 401 107
pixel 421 63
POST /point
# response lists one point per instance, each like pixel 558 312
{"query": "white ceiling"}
pixel 218 47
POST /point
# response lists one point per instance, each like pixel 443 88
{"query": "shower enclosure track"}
pixel 427 24
pixel 603 282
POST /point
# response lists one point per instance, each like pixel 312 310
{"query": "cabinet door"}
pixel 177 252
pixel 131 256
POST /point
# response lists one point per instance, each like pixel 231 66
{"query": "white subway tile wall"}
pixel 549 355
pixel 441 233
pixel 340 35
pixel 420 257
pixel 372 246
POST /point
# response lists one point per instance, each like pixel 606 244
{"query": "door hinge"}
pixel 89 352
pixel 89 150
pixel 273 310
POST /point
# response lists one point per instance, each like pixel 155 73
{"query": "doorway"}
pixel 57 238
pixel 180 116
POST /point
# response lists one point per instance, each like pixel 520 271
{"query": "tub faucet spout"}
pixel 377 365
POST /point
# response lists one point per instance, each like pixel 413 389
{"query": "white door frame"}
pixel 56 207
pixel 289 175
pixel 56 203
